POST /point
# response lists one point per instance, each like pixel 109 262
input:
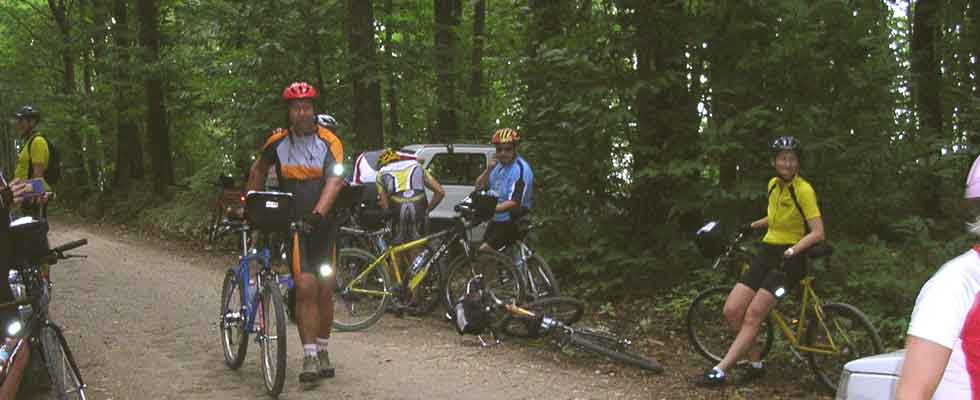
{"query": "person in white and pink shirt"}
pixel 942 359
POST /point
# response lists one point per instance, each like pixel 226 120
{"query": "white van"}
pixel 456 167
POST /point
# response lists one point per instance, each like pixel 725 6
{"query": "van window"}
pixel 457 168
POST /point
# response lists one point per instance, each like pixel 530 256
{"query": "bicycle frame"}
pixel 810 301
pixel 375 238
pixel 389 259
pixel 250 305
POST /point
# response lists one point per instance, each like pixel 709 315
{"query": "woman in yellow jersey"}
pixel 793 225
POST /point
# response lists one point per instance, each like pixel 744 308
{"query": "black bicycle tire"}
pixel 585 340
pixel 234 361
pixel 385 300
pixel 451 295
pixel 510 322
pixel 545 270
pixel 275 299
pixel 694 310
pixel 829 382
pixel 71 368
pixel 62 356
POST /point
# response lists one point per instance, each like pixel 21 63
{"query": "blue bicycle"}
pixel 253 303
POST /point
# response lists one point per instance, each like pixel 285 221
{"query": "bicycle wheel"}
pixel 708 330
pixel 272 338
pixel 613 347
pixel 542 282
pixel 564 309
pixel 428 291
pixel 500 276
pixel 849 331
pixel 66 381
pixel 234 336
pixel 359 301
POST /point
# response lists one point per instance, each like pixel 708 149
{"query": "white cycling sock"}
pixel 321 343
pixel 756 364
pixel 309 350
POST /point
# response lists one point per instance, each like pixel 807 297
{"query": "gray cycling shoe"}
pixel 326 370
pixel 311 369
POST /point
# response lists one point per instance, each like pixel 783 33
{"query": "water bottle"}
pixel 419 262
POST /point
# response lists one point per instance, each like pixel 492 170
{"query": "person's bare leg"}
pixel 757 312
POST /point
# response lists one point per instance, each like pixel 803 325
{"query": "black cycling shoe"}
pixel 713 378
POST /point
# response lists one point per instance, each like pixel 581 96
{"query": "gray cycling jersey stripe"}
pixel 303 151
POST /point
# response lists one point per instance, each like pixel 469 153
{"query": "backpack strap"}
pixel 30 160
pixel 792 194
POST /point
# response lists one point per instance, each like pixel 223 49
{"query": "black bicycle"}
pixel 35 330
pixel 547 317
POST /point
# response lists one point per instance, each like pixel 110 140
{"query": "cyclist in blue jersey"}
pixel 510 178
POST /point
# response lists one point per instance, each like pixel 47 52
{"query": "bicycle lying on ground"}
pixel 35 335
pixel 367 283
pixel 548 317
pixel 829 334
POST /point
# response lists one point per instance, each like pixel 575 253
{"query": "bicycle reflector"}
pixel 14 328
pixel 326 270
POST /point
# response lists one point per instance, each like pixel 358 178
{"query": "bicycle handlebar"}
pixel 70 246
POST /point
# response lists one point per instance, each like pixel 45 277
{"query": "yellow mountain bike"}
pixel 828 335
pixel 368 285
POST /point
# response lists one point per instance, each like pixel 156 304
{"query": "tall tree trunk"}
pixel 926 85
pixel 394 128
pixel 731 95
pixel 368 123
pixel 665 110
pixel 446 21
pixel 476 63
pixel 316 53
pixel 926 76
pixel 156 108
pixel 545 24
pixel 973 37
pixel 129 151
pixel 96 146
pixel 59 9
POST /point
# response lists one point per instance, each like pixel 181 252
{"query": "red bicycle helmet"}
pixel 299 90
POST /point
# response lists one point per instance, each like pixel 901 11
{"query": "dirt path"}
pixel 141 316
